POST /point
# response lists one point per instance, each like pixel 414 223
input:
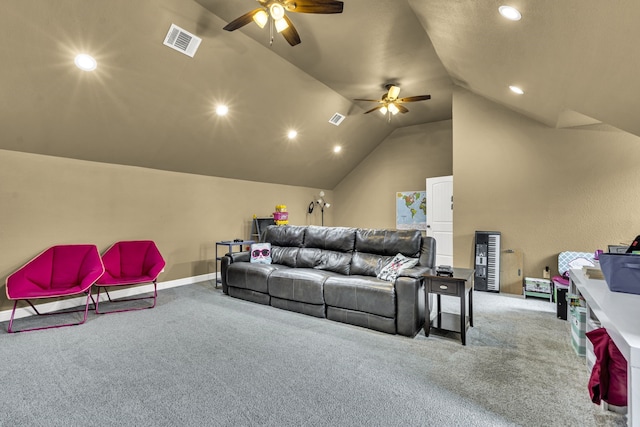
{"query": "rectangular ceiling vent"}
pixel 182 41
pixel 336 119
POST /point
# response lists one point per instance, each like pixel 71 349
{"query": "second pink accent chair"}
pixel 130 263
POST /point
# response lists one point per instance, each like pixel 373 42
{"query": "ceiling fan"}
pixel 275 9
pixel 390 103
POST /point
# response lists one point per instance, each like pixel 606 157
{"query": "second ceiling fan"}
pixel 274 13
pixel 390 103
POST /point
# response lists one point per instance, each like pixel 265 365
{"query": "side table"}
pixel 230 245
pixel 459 285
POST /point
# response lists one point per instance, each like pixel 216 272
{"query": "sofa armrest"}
pixel 410 304
pixel 226 261
pixel 415 272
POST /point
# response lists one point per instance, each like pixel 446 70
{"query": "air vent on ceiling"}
pixel 336 119
pixel 182 41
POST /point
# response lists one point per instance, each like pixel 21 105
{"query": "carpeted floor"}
pixel 202 358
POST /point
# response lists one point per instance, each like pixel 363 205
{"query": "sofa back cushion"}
pixel 320 259
pixel 366 264
pixel 290 235
pixel 389 242
pixel 339 239
pixel 284 255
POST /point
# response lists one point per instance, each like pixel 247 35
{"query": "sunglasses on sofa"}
pixel 257 252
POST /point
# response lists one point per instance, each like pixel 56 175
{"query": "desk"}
pixel 619 314
pixel 229 244
pixel 459 285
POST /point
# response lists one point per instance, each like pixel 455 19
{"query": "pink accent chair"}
pixel 59 271
pixel 130 263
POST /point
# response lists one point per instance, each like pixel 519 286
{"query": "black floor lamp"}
pixel 320 201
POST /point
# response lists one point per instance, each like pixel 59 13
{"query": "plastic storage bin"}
pixel 578 329
pixel 621 272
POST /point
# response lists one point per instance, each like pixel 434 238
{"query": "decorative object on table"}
pixel 320 201
pixel 444 270
pixel 411 210
pixel 273 13
pixel 261 253
pixel 281 216
pixel 392 269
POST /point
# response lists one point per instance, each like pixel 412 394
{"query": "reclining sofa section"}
pixel 330 272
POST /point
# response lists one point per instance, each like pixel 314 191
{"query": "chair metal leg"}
pixel 97 301
pixel 84 319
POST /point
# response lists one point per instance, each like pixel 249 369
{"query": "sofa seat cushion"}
pixel 246 275
pixel 298 284
pixel 361 293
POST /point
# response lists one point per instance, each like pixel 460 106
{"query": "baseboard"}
pixel 121 293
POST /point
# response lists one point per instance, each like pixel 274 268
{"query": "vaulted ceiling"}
pixel 150 106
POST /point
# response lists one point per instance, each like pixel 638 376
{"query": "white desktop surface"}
pixel 619 314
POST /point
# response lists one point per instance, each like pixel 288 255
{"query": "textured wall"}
pixel 46 201
pixel 547 190
pixel 402 162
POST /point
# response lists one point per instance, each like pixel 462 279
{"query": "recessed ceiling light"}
pixel 516 89
pixel 337 149
pixel 222 110
pixel 292 134
pixel 85 62
pixel 510 13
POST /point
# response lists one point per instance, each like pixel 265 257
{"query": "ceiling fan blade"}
pixel 368 100
pixel 314 6
pixel 402 108
pixel 415 98
pixel 241 21
pixel 374 109
pixel 290 34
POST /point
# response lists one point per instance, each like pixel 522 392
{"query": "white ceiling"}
pixel 147 105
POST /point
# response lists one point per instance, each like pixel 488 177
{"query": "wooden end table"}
pixel 459 285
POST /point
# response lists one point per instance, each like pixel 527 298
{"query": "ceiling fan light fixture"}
pixel 281 25
pixel 510 13
pixel 383 110
pixel 394 91
pixel 261 18
pixel 277 11
pixel 393 108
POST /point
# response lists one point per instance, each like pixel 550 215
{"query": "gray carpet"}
pixel 204 359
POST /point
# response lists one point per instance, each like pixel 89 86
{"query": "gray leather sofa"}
pixel 330 272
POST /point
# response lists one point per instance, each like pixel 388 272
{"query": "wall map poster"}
pixel 411 210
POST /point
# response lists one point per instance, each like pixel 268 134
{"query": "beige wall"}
pixel 402 162
pixel 547 190
pixel 46 201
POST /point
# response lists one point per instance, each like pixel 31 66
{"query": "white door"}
pixel 440 217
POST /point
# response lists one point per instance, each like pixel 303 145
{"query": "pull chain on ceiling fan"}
pixel 390 103
pixel 274 11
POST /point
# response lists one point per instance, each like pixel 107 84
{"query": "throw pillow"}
pixel 391 271
pixel 261 253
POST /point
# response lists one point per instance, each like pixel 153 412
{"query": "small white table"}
pixel 619 314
